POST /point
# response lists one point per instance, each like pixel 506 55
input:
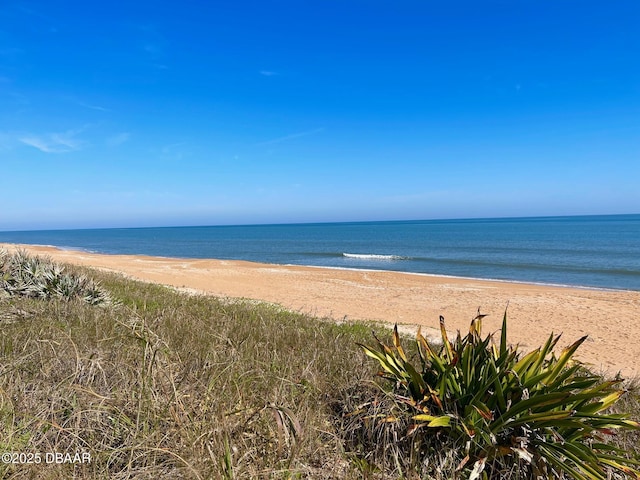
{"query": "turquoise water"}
pixel 592 251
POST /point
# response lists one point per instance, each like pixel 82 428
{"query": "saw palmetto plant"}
pixel 27 275
pixel 545 414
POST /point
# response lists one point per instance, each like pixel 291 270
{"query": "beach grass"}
pixel 164 384
pixel 174 385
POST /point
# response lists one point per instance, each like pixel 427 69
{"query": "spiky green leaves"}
pixel 22 274
pixel 544 410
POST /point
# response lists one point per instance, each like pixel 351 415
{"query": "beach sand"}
pixel 610 318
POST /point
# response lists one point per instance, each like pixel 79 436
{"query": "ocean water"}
pixel 590 251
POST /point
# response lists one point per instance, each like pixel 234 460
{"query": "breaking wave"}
pixel 371 256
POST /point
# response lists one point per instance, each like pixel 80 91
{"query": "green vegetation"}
pixel 167 385
pixel 160 384
pixel 22 274
pixel 544 414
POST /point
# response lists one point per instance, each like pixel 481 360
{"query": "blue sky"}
pixel 116 114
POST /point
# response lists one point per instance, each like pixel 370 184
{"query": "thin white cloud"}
pixel 94 107
pixel 268 73
pixel 291 137
pixel 151 44
pixel 118 139
pixel 152 49
pixel 53 142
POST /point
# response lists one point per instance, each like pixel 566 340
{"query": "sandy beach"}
pixel 610 318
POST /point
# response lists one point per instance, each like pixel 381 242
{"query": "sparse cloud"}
pixel 268 73
pixel 154 50
pixel 54 142
pixel 150 43
pixel 291 137
pixel 94 107
pixel 154 54
pixel 118 139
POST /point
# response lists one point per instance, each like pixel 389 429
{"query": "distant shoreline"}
pixel 609 317
pixel 427 274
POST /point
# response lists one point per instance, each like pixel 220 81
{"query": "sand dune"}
pixel 610 318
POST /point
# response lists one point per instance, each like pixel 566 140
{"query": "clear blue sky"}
pixel 144 113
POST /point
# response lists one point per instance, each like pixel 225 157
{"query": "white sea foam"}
pixel 371 256
pixel 74 249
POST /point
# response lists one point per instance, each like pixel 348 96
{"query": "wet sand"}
pixel 610 318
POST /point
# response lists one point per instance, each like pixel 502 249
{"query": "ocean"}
pixel 591 251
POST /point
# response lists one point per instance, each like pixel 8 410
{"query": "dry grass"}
pixel 170 385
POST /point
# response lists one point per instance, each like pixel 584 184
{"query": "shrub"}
pixel 543 415
pixel 25 275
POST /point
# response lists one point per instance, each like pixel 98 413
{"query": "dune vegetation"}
pixel 142 381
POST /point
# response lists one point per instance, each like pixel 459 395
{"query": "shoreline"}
pixel 434 275
pixel 609 316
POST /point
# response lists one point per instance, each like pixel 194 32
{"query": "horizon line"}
pixel 408 220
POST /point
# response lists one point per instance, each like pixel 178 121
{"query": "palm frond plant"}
pixel 27 275
pixel 545 414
